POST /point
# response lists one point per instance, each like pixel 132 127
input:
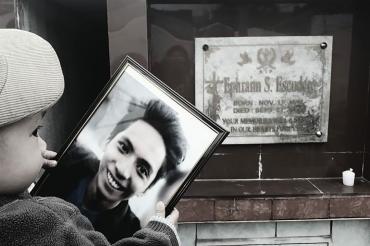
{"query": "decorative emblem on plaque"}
pixel 265 89
pixel 266 57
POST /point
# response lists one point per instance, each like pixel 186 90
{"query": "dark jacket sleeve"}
pixel 52 221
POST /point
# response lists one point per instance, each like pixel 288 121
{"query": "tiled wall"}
pixel 127 31
pixel 308 233
pixel 173 26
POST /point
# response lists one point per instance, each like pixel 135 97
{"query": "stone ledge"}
pixel 328 200
pixel 254 209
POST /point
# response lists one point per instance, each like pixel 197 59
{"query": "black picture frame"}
pixel 132 86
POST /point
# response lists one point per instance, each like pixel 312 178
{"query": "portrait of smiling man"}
pixel 138 152
pixel 129 164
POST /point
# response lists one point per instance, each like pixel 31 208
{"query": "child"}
pixel 31 81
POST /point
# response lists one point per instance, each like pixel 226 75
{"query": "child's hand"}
pixel 172 217
pixel 48 155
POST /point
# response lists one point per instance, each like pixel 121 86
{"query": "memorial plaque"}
pixel 265 89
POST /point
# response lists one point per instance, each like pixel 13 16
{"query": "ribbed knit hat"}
pixel 31 79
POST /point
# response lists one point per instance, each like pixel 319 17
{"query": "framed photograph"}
pixel 139 143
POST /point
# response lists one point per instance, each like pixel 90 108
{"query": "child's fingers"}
pixel 49 163
pixel 161 212
pixel 173 216
pixel 48 154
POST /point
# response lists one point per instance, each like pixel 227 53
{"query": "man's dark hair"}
pixel 163 119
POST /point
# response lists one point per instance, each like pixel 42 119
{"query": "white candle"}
pixel 348 177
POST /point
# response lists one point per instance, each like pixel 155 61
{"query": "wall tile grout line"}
pixel 196 234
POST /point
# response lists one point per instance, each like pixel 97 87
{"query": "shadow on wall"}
pixel 78 32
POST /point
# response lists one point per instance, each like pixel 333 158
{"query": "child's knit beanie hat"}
pixel 31 79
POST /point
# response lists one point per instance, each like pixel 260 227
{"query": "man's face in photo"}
pixel 130 161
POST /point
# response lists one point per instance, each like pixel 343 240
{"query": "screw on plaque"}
pixel 318 134
pixel 205 47
pixel 323 45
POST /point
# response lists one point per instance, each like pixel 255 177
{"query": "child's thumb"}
pixel 160 209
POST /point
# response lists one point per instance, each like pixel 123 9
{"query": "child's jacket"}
pixel 26 220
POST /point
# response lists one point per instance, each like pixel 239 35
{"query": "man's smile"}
pixel 113 183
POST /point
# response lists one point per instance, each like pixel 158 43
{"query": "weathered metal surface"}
pixel 265 89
